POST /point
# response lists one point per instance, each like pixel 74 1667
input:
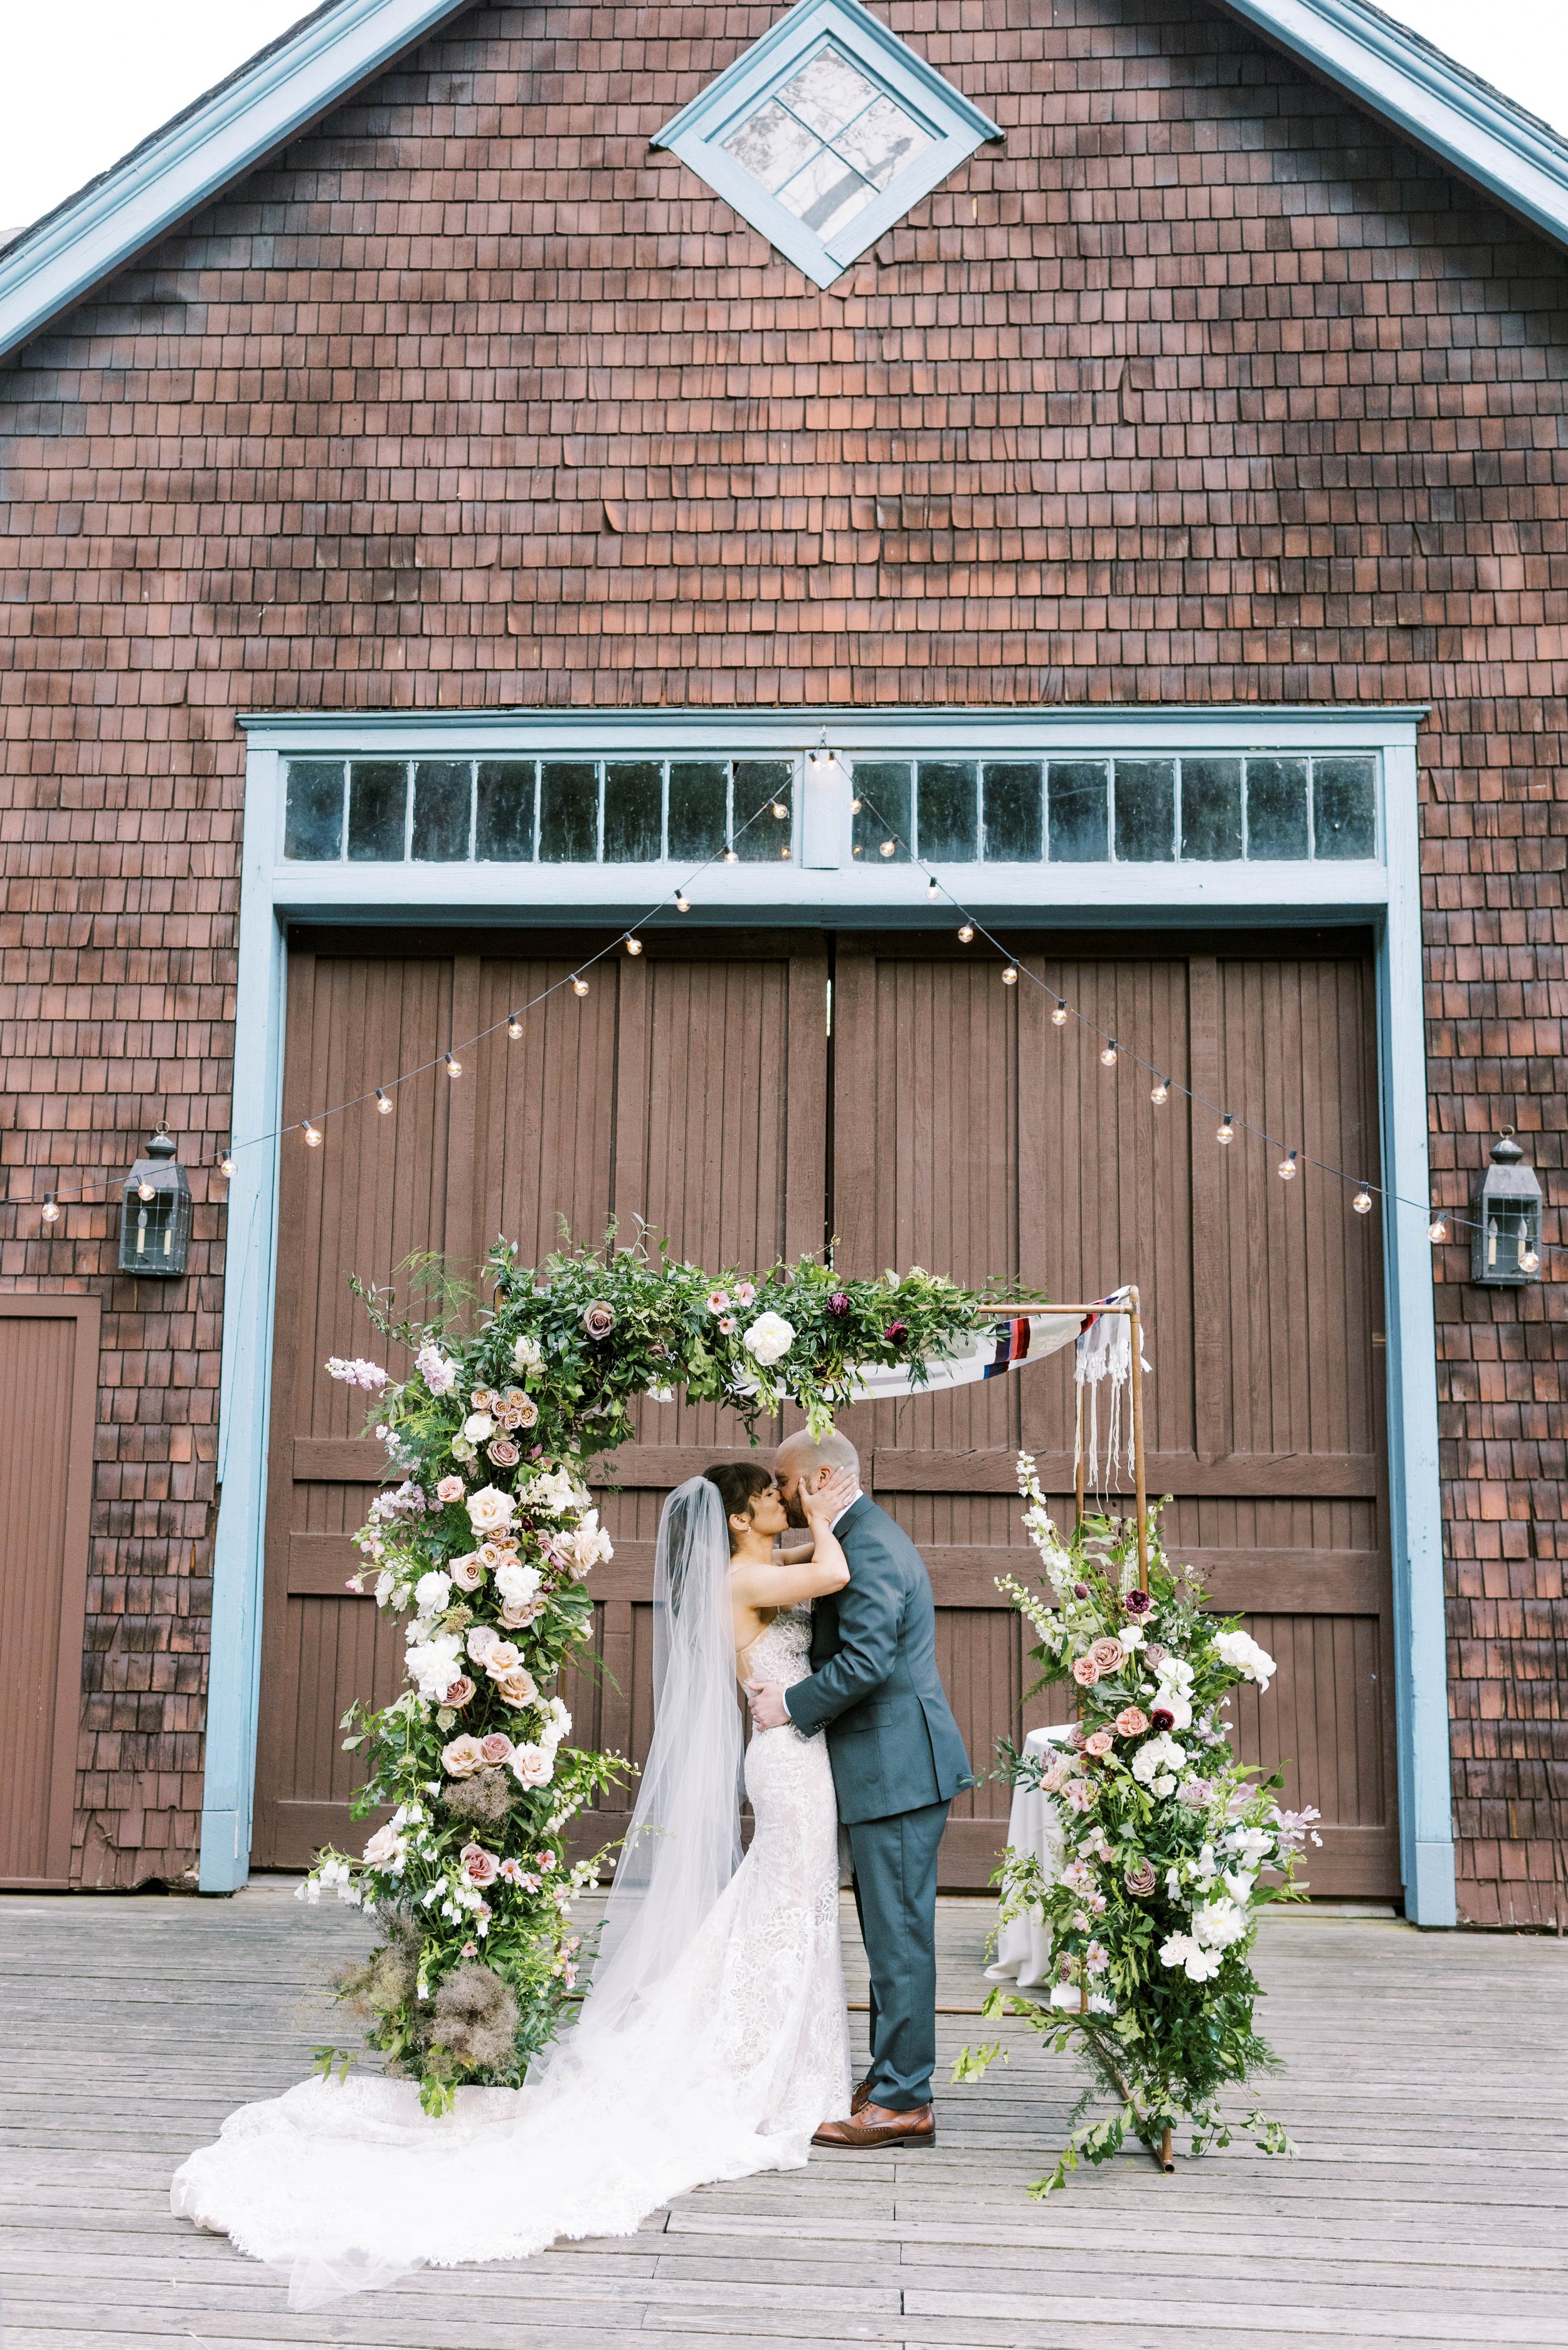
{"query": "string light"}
pixel 1159 1091
pixel 634 946
pixel 1288 1167
pixel 1362 1204
pixel 966 934
pixel 932 890
pixel 780 811
pixel 515 1027
pixel 51 1209
pixel 1529 1261
pixel 453 1066
pixel 889 849
pixel 731 856
pixel 1226 1129
pixel 580 985
pixel 312 1134
pixel 823 763
pixel 785 850
pixel 1108 1053
pixel 146 1190
pixel 682 903
pixel 1059 1017
pixel 1436 1230
pixel 854 807
pixel 1009 976
pixel 226 1163
pixel 383 1101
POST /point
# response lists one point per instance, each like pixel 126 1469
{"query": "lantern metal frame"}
pixel 1506 1229
pixel 155 1215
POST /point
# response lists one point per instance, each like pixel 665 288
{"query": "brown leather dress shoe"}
pixel 878 2125
pixel 860 2096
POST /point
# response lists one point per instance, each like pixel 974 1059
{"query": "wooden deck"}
pixel 1427 2088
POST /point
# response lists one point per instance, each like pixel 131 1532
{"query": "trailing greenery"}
pixel 1164 1848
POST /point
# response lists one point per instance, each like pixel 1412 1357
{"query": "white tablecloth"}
pixel 1035 1824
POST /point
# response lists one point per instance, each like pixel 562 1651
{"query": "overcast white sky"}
pixel 84 79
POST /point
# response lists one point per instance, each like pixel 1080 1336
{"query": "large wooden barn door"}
pixel 973 1136
pixel 687 1089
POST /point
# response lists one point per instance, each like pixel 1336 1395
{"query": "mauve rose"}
pixel 1109 1655
pixel 896 1333
pixel 1099 1741
pixel 598 1321
pixel 1085 1672
pixel 451 1489
pixel 1132 1721
pixel 1141 1878
pixel 479 1867
pixel 1162 1718
pixel 1154 1656
pixel 504 1452
pixel 517 1687
pixel 496 1747
pixel 1138 1603
pixel 838 1305
pixel 1075 1737
pixel 460 1692
pixel 518 1613
pixel 462 1758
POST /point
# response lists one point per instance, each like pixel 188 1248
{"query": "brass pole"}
pixel 1140 1485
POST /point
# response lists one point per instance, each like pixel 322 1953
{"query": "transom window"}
pixel 826 132
pixel 1270 807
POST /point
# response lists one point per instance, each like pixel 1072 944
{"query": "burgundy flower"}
pixel 1138 1603
pixel 896 1333
pixel 838 1303
pixel 1162 1718
pixel 1080 1591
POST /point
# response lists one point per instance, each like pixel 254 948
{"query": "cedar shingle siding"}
pixel 1202 386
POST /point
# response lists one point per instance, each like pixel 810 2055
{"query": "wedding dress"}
pixel 713 2044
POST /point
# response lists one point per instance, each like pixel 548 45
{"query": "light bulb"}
pixel 1529 1261
pixel 51 1209
pixel 144 1190
pixel 1159 1091
pixel 226 1163
pixel 966 933
pixel 1108 1053
pixel 731 856
pixel 634 946
pixel 1009 976
pixel 1362 1204
pixel 682 902
pixel 1288 1167
pixel 854 807
pixel 1059 1017
pixel 890 848
pixel 785 850
pixel 932 888
pixel 312 1135
pixel 515 1027
pixel 780 810
pixel 579 986
pixel 1226 1129
pixel 1436 1230
pixel 453 1066
pixel 383 1101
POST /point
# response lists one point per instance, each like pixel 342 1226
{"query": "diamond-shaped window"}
pixel 826 132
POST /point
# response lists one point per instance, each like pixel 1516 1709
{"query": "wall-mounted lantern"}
pixel 1505 1238
pixel 155 1214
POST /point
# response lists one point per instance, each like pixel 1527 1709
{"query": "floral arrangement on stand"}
pixel 1171 1847
pixel 484 1544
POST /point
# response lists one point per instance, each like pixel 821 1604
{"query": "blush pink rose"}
pixel 451 1489
pixel 496 1747
pixel 504 1452
pixel 481 1638
pixel 518 1613
pixel 381 1848
pixel 1132 1721
pixel 479 1867
pixel 1085 1672
pixel 462 1757
pixel 500 1657
pixel 460 1692
pixel 1098 1743
pixel 1054 1779
pixel 466 1573
pixel 1108 1655
pixel 517 1687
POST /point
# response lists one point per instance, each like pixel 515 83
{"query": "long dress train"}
pixel 734 2061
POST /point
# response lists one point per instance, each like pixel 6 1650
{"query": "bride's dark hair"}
pixel 739 1483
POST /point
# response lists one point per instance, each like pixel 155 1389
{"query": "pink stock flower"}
pixel 1079 1794
pixel 479 1867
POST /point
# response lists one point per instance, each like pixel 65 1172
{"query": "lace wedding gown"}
pixel 739 2054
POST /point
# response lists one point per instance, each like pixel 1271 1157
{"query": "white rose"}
pixel 490 1512
pixel 516 1583
pixel 479 1428
pixel 1242 1654
pixel 527 1353
pixel 532 1766
pixel 432 1593
pixel 769 1337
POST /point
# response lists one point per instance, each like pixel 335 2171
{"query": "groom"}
pixel 898 1762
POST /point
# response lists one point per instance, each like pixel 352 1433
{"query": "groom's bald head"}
pixel 804 1461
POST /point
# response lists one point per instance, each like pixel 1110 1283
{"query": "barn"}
pixel 853 503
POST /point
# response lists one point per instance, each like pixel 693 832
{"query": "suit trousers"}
pixel 894 1863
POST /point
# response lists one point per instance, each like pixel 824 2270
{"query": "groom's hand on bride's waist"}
pixel 769 1710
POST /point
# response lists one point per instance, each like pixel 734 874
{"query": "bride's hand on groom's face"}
pixel 829 1499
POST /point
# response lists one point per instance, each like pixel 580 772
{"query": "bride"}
pixel 713 2040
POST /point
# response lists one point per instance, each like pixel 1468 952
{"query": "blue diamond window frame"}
pixel 698 133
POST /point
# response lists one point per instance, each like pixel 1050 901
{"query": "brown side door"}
pixel 973 1136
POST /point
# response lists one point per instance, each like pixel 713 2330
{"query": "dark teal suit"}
pixel 898 1762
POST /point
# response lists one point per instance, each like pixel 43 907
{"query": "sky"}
pixel 86 80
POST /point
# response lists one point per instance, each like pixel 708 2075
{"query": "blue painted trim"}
pixel 1416 1512
pixel 193 158
pixel 697 133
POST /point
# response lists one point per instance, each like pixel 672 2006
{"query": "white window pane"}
pixel 771 145
pixel 882 140
pixel 826 194
pixel 828 92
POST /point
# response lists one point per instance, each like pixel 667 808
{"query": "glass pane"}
pixel 826 194
pixel 313 818
pixel 378 796
pixel 882 789
pixel 882 141
pixel 568 811
pixel 634 811
pixel 828 92
pixel 1276 807
pixel 503 812
pixel 949 811
pixel 1078 799
pixel 1014 811
pixel 764 784
pixel 697 809
pixel 1211 809
pixel 1146 811
pixel 442 791
pixel 1345 793
pixel 772 146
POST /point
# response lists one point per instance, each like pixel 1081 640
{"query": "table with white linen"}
pixel 1035 1824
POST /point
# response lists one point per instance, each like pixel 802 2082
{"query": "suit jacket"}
pixel 891 1738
